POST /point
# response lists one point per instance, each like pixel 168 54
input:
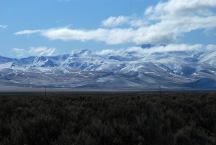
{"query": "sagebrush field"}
pixel 108 119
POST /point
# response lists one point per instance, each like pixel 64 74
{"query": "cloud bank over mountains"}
pixel 34 51
pixel 163 23
pixel 174 66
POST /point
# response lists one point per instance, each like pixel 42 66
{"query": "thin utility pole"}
pixel 45 91
pixel 160 88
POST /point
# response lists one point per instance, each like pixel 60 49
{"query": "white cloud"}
pixel 156 49
pixel 180 8
pixel 3 26
pixel 123 20
pixel 165 23
pixel 34 51
pixel 107 52
pixel 115 21
pixel 109 36
pixel 169 48
pixel 27 32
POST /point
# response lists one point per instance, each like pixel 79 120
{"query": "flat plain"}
pixel 107 118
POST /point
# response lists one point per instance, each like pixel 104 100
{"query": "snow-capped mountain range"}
pixel 138 68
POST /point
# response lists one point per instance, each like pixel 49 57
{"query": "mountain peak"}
pixel 121 69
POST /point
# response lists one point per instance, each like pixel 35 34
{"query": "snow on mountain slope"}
pixel 136 68
pixel 5 65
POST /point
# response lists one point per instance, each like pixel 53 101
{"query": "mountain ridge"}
pixel 114 69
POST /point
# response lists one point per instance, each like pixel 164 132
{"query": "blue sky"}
pixel 61 26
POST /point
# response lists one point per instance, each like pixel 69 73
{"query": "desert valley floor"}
pixel 108 118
